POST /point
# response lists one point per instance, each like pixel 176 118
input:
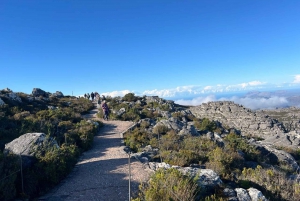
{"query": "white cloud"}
pixel 183 91
pixel 260 103
pixel 196 101
pixel 296 79
pixel 116 93
pixel 251 103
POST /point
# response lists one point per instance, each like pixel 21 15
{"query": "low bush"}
pixel 168 184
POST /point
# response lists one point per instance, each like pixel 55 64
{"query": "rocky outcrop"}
pixel 58 94
pixel 238 117
pixel 160 101
pixel 240 194
pixel 10 95
pixel 206 178
pixel 14 97
pixel 276 156
pixel 1 102
pixel 209 180
pixel 37 92
pixel 28 145
pixel 171 123
pixel 251 123
pixel 256 195
pixel 290 117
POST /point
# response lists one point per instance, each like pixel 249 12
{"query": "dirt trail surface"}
pixel 102 173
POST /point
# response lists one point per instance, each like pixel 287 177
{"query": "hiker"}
pixel 92 96
pixel 105 110
pixel 98 98
pixel 88 96
pixel 84 95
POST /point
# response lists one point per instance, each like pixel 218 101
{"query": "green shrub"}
pixel 9 170
pixel 129 97
pixel 272 182
pixel 168 184
pixel 160 129
pixel 225 161
pixel 205 124
pixel 136 139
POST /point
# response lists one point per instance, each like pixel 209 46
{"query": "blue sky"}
pixel 171 48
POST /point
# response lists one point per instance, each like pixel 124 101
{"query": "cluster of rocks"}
pixel 250 123
pixel 290 117
pixel 209 180
pixel 143 101
pixel 10 95
pixel 37 94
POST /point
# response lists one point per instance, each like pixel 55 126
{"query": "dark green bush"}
pixel 9 170
pixel 205 124
pixel 130 97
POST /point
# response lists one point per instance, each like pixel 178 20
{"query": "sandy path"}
pixel 102 173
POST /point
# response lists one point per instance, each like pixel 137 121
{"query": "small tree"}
pixel 129 97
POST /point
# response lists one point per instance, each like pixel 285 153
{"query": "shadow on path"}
pixel 102 172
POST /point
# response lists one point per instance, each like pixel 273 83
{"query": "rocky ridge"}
pixel 251 123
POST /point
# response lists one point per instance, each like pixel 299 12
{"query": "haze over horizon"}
pixel 173 49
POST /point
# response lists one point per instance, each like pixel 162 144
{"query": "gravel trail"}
pixel 102 173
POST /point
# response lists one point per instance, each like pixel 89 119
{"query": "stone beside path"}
pixel 102 173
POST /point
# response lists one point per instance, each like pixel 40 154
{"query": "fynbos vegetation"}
pixel 60 119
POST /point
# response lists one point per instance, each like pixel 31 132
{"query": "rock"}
pixel 242 194
pixel 256 195
pixel 171 123
pixel 230 194
pixel 216 138
pixel 2 102
pixel 209 178
pixel 27 146
pixel 58 94
pixel 155 166
pixel 206 178
pixel 165 114
pixel 238 117
pixel 95 123
pixel 189 130
pixel 14 97
pixel 36 92
pixel 120 112
pixel 276 155
pixel 7 90
pixel 50 107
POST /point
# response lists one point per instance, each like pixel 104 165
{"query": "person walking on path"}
pixel 84 95
pixel 92 96
pixel 105 110
pixel 88 96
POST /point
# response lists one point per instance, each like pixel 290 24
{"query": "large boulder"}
pixel 37 92
pixel 256 195
pixel 242 194
pixel 276 156
pixel 28 145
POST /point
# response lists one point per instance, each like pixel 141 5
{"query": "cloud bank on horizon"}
pixel 203 94
pixel 252 103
